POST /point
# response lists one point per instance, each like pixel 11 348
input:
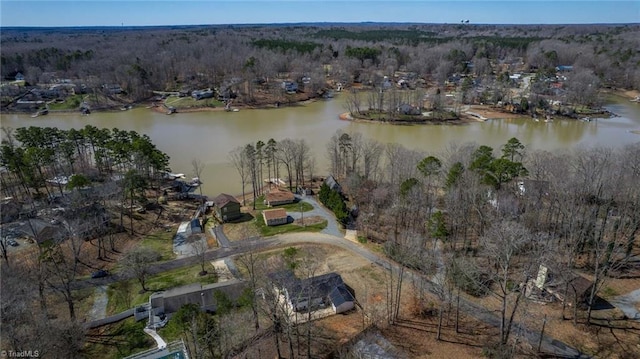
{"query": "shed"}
pixel 274 217
pixel 195 226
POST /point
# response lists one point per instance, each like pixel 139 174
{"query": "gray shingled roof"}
pixel 223 199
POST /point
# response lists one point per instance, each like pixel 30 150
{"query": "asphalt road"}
pixel 229 249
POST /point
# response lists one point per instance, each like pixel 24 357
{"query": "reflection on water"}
pixel 209 136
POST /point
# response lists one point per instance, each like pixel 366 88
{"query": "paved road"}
pixel 549 345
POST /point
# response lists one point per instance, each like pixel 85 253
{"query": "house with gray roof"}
pixel 227 207
pixel 170 301
pixel 319 292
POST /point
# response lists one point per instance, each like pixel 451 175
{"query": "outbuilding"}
pixel 274 217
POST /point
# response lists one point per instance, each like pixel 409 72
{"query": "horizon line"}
pixel 308 23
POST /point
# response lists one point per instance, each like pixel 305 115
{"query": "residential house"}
pixel 202 94
pixel 386 83
pixel 113 89
pixel 320 292
pixel 564 68
pixel 290 86
pixel 278 197
pixel 407 109
pixel 170 301
pixel 227 207
pixel 577 290
pixel 533 188
pixel 333 184
pixel 274 217
pixel 41 231
pixel 19 76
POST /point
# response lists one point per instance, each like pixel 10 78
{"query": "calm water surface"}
pixel 210 136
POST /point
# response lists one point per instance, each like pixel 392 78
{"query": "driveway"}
pixel 549 345
pixel 99 309
pixel 332 225
pixel 627 304
pixel 219 235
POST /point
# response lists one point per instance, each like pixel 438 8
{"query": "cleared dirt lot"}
pixel 411 337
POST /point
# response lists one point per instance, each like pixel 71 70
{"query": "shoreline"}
pixel 463 120
pixel 474 113
pixel 161 109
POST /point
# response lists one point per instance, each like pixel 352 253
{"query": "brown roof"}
pixel 223 199
pixel 579 285
pixel 274 213
pixel 276 196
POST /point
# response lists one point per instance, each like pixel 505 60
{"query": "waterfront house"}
pixel 202 94
pixel 564 68
pixel 290 86
pixel 227 207
pixel 333 184
pixel 277 198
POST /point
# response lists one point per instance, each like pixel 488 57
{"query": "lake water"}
pixel 210 136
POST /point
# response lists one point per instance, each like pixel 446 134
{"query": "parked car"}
pixel 99 274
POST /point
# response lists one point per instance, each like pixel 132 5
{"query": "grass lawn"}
pixel 291 207
pixel 119 340
pixel 286 228
pixel 186 102
pixel 162 242
pixel 83 300
pixel 70 103
pixel 126 294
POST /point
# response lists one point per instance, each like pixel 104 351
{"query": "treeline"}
pixel 273 159
pixel 39 160
pixel 141 60
pixel 486 219
pixel 573 212
pixel 333 200
pixel 67 188
pixel 284 46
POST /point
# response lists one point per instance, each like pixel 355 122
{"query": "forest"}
pixel 493 216
pixel 472 226
pixel 482 219
pixel 244 59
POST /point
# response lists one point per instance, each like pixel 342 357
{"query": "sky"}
pixel 47 13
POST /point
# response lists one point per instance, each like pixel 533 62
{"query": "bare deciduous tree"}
pixel 137 263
